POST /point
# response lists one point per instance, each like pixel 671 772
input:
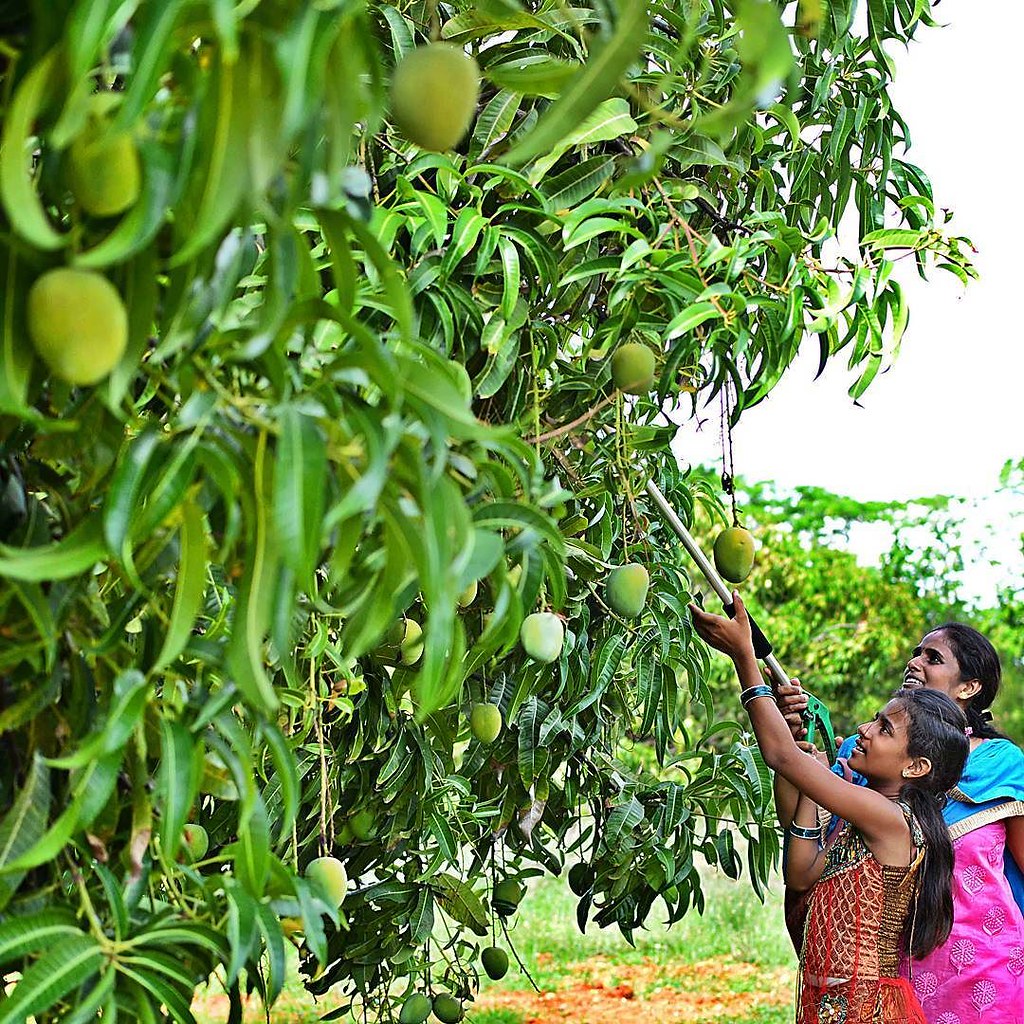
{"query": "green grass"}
pixel 735 925
pixel 496 1017
pixel 736 928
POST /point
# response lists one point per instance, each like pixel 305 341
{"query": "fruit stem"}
pixel 568 427
pixel 519 959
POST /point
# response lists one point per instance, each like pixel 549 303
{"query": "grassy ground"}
pixel 733 965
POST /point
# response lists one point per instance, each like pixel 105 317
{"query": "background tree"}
pixel 276 385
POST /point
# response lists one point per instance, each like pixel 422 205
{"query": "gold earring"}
pixel 906 773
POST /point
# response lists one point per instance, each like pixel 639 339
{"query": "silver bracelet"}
pixel 753 692
pixel 803 832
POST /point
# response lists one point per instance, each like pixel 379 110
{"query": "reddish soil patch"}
pixel 605 992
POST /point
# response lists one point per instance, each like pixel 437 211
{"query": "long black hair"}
pixel 977 659
pixel 936 729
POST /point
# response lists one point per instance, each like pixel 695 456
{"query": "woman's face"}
pixel 880 752
pixel 933 665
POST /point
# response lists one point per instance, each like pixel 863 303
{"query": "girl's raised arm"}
pixel 875 815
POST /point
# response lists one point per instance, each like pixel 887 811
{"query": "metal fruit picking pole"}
pixel 816 718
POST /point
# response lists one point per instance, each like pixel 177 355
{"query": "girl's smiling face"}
pixel 880 752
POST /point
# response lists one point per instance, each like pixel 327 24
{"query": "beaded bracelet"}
pixel 804 832
pixel 753 692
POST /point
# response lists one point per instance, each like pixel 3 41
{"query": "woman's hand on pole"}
pixel 792 703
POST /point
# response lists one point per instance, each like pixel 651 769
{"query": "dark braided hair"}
pixel 977 659
pixel 935 730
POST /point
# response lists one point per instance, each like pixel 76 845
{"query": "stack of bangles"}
pixel 753 692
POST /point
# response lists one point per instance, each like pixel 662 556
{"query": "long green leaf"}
pixel 78 551
pixel 252 611
pixel 33 932
pixel 20 200
pixel 299 473
pixel 595 81
pixel 130 696
pixel 177 782
pixel 92 788
pixel 23 826
pixel 459 901
pixel 190 587
pixel 69 963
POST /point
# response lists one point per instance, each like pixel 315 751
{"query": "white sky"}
pixel 947 416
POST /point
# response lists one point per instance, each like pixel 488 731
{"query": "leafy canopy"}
pixel 360 378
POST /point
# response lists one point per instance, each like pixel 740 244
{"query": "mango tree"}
pixel 301 421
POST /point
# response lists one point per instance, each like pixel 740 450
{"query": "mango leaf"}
pixel 20 201
pixel 190 586
pixel 68 964
pixel 422 919
pixel 607 63
pixel 22 934
pixel 81 549
pixel 528 723
pixel 624 817
pixel 611 119
pixel 458 900
pixel 15 348
pixel 535 74
pixel 252 614
pixel 252 850
pixel 23 825
pixel 177 782
pixel 90 792
pixel 131 693
pixel 219 182
pixel 144 971
pixel 299 473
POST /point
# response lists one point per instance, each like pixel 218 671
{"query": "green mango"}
pixel 495 962
pixel 433 95
pixel 416 1009
pixel 734 554
pixel 542 635
pixel 626 589
pixel 633 368
pixel 447 1009
pixel 329 876
pixel 506 896
pixel 485 722
pixel 581 878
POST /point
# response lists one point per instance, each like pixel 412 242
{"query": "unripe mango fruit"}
pixel 581 878
pixel 104 171
pixel 633 368
pixel 626 589
pixel 506 896
pixel 542 635
pixel 485 722
pixel 363 824
pixel 434 90
pixel 495 962
pixel 195 841
pixel 77 323
pixel 329 876
pixel 734 554
pixel 416 1009
pixel 412 642
pixel 447 1008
